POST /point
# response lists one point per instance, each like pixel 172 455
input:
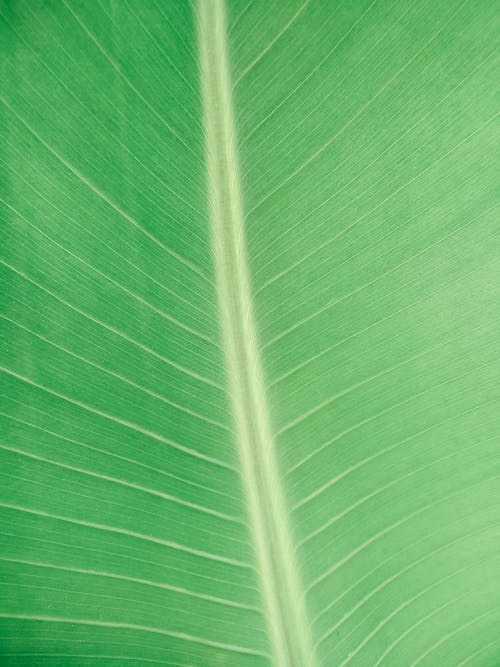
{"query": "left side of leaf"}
pixel 123 533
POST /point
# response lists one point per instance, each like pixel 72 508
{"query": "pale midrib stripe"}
pixel 288 625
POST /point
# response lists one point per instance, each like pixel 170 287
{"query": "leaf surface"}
pixel 250 324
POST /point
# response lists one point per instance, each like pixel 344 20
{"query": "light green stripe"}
pixel 288 626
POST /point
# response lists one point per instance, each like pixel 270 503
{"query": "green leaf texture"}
pixel 249 333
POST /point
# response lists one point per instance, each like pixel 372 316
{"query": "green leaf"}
pixel 250 326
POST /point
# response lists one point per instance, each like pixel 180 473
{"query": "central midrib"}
pixel 288 626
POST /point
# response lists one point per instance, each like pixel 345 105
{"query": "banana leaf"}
pixel 249 328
